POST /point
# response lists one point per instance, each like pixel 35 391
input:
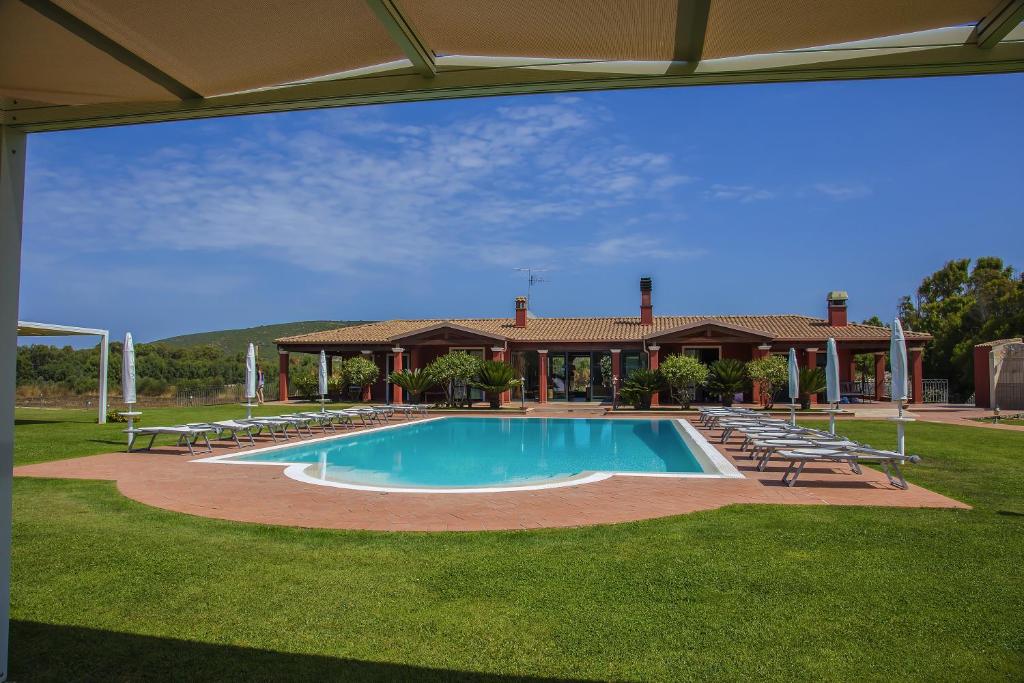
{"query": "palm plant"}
pixel 727 378
pixel 812 381
pixel 414 382
pixel 640 386
pixel 495 377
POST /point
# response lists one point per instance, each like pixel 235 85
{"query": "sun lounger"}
pixel 187 436
pixel 324 419
pixel 231 427
pixel 269 423
pixel 889 460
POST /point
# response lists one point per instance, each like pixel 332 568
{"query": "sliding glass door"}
pixel 579 376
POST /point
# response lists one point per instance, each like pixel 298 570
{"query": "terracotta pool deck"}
pixel 167 478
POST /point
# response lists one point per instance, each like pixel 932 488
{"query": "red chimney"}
pixel 646 310
pixel 837 308
pixel 520 311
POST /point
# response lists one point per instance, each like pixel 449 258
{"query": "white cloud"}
pixel 635 247
pixel 741 193
pixel 353 190
pixel 843 191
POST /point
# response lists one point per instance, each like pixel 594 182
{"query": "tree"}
pixel 768 373
pixel 495 377
pixel 961 306
pixel 865 362
pixel 812 381
pixel 640 386
pixel 453 369
pixel 682 374
pixel 414 382
pixel 360 371
pixel 727 378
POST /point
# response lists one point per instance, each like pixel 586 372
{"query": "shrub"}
pixel 727 378
pixel 769 374
pixel 812 381
pixel 306 386
pixel 414 382
pixel 640 386
pixel 494 377
pixel 359 371
pixel 682 374
pixel 455 367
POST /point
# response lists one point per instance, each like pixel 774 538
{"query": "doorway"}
pixel 706 355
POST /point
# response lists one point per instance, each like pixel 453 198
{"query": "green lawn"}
pixel 108 589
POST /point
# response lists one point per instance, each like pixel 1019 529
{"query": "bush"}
pixel 769 374
pixel 493 378
pixel 727 378
pixel 359 371
pixel 306 386
pixel 414 382
pixel 682 375
pixel 640 386
pixel 812 381
pixel 455 367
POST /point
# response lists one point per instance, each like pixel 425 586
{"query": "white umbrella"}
pixel 832 392
pixel 128 384
pixel 322 378
pixel 794 384
pixel 898 377
pixel 250 379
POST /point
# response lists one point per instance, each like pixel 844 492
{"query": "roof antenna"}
pixel 532 278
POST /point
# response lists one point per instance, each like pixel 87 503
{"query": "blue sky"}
pixel 741 199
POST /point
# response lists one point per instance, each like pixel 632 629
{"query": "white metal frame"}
pixel 27 329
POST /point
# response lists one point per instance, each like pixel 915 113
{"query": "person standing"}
pixel 259 385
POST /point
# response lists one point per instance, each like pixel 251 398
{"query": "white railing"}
pixel 935 390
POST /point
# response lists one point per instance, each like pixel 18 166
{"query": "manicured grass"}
pixel 108 589
pixel 1004 421
pixel 43 434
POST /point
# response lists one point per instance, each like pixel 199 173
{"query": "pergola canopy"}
pixel 83 63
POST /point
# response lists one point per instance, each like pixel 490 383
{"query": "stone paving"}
pixel 167 478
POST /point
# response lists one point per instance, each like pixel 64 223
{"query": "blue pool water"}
pixel 473 452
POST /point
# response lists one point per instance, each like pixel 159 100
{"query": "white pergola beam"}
pixel 12 196
pixel 402 32
pixel 28 329
pixel 942 52
pixel 998 23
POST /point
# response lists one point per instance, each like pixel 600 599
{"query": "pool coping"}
pixel 716 465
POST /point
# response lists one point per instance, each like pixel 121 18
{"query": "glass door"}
pixel 707 356
pixel 557 385
pixel 579 376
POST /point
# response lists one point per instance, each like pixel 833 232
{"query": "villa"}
pixel 568 359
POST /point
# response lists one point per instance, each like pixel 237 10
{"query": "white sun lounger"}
pixel 889 460
pixel 231 427
pixel 187 436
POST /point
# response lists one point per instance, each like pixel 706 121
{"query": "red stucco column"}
pixel 368 389
pixel 880 375
pixel 761 351
pixel 415 362
pixel 812 362
pixel 915 359
pixel 653 362
pixel 282 375
pixel 982 377
pixel 498 355
pixel 396 391
pixel 616 372
pixel 542 370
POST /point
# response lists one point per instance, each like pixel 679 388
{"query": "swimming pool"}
pixel 471 454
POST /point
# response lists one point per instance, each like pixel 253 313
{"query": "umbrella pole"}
pixel 322 407
pixel 792 412
pixel 900 428
pixel 832 419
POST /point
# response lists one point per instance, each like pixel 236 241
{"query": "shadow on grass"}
pixel 45 652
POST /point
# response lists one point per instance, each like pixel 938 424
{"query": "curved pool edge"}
pixel 298 473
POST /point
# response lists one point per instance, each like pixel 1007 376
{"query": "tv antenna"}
pixel 532 278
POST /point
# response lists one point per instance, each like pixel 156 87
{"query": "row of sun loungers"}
pixel 278 426
pixel 765 437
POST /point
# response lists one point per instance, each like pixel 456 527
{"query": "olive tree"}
pixel 768 374
pixel 682 375
pixel 452 369
pixel 360 371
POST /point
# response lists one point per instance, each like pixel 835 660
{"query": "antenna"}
pixel 532 278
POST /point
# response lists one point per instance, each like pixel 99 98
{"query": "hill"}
pixel 236 341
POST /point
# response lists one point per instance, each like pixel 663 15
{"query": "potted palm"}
pixel 812 381
pixel 414 382
pixel 640 386
pixel 727 378
pixel 493 378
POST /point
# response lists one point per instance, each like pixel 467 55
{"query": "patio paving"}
pixel 166 478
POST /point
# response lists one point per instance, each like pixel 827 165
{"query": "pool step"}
pixel 563 408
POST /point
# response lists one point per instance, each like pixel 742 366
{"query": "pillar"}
pixel 982 377
pixel 542 370
pixel 915 358
pixel 761 351
pixel 616 372
pixel 653 363
pixel 415 361
pixel 812 362
pixel 879 375
pixel 396 391
pixel 367 395
pixel 12 194
pixel 498 355
pixel 282 375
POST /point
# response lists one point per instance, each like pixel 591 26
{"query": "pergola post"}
pixel 879 375
pixel 812 362
pixel 12 197
pixel 396 391
pixel 282 375
pixel 916 363
pixel 104 358
pixel 542 379
pixel 653 362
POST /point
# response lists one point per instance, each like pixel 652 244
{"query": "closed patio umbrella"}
pixel 322 377
pixel 898 378
pixel 832 391
pixel 250 379
pixel 794 384
pixel 128 384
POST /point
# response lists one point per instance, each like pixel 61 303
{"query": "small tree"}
pixel 727 378
pixel 812 381
pixel 455 367
pixel 768 373
pixel 360 371
pixel 682 374
pixel 640 386
pixel 414 382
pixel 493 378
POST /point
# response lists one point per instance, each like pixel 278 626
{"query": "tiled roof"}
pixel 611 329
pixel 1001 342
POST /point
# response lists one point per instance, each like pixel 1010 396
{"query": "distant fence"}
pixel 935 390
pixel 183 398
